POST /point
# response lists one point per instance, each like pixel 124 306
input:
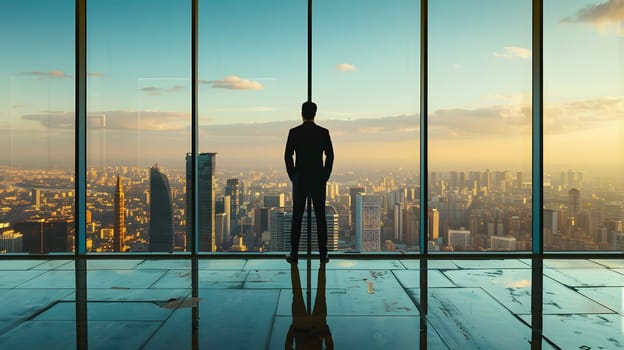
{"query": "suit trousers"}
pixel 300 192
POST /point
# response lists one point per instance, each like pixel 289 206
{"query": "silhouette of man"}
pixel 309 329
pixel 309 175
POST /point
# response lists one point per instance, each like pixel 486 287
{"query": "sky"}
pixel 366 81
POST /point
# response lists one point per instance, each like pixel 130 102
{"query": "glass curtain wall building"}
pixel 466 186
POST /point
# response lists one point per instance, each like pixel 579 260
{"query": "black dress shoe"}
pixel 291 259
pixel 324 259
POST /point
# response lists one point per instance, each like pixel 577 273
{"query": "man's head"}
pixel 308 110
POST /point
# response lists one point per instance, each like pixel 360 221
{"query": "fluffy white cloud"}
pixel 116 120
pixel 604 16
pixel 233 82
pixel 514 51
pixel 346 67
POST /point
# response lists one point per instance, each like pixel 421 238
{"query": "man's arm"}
pixel 288 156
pixel 329 156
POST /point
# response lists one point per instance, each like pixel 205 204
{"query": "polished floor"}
pixel 265 304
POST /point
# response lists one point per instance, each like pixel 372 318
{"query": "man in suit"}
pixel 309 175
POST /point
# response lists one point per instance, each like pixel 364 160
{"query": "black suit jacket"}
pixel 308 141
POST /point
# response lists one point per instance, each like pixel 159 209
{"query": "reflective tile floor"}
pixel 347 304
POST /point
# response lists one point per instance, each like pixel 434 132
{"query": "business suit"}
pixel 309 175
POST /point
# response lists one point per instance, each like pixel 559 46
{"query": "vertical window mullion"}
pixel 424 124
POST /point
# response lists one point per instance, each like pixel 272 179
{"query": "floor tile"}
pixel 134 294
pixel 228 319
pixel 612 263
pixel 354 302
pixel 123 264
pixel 361 332
pixel 53 264
pixel 19 265
pixel 467 318
pixel 411 278
pixel 222 264
pixel 123 278
pixel 585 331
pixel 611 297
pixel 570 263
pixel 41 335
pixel 431 264
pixel 120 334
pixel 12 279
pixel 268 279
pixel 19 304
pixel 586 277
pixel 108 311
pixel 512 288
pixel 207 279
pixel 490 264
pixel 164 265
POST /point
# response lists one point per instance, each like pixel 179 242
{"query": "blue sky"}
pixel 366 80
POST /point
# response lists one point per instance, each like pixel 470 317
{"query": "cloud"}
pixel 246 109
pixel 54 74
pixel 346 67
pixel 603 15
pixel 96 75
pixel 233 82
pixel 116 120
pixel 156 91
pixel 53 119
pixel 513 52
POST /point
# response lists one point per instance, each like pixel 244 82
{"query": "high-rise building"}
pixel 574 202
pixel 505 243
pixel 223 206
pixel 232 190
pixel 36 197
pixel 161 212
pixel 280 225
pixel 222 229
pixel 10 241
pixel 434 224
pixel 459 239
pixel 273 200
pixel 367 222
pixel 352 192
pixel 206 166
pixel 119 224
pixel 398 222
pixel 41 236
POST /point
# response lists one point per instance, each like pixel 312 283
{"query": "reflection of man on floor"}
pixel 308 331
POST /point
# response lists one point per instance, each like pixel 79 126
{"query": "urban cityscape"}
pixel 133 209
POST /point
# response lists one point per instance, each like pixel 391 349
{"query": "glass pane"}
pixel 138 124
pixel 252 74
pixel 366 81
pixel 583 125
pixel 480 125
pixel 37 126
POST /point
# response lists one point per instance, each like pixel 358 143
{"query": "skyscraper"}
pixel 352 192
pixel 232 190
pixel 367 222
pixel 41 236
pixel 280 225
pixel 574 202
pixel 434 224
pixel 161 212
pixel 206 165
pixel 119 226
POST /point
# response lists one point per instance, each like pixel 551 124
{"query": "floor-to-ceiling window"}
pixel 37 127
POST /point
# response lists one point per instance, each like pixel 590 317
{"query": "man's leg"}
pixel 299 199
pixel 318 199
